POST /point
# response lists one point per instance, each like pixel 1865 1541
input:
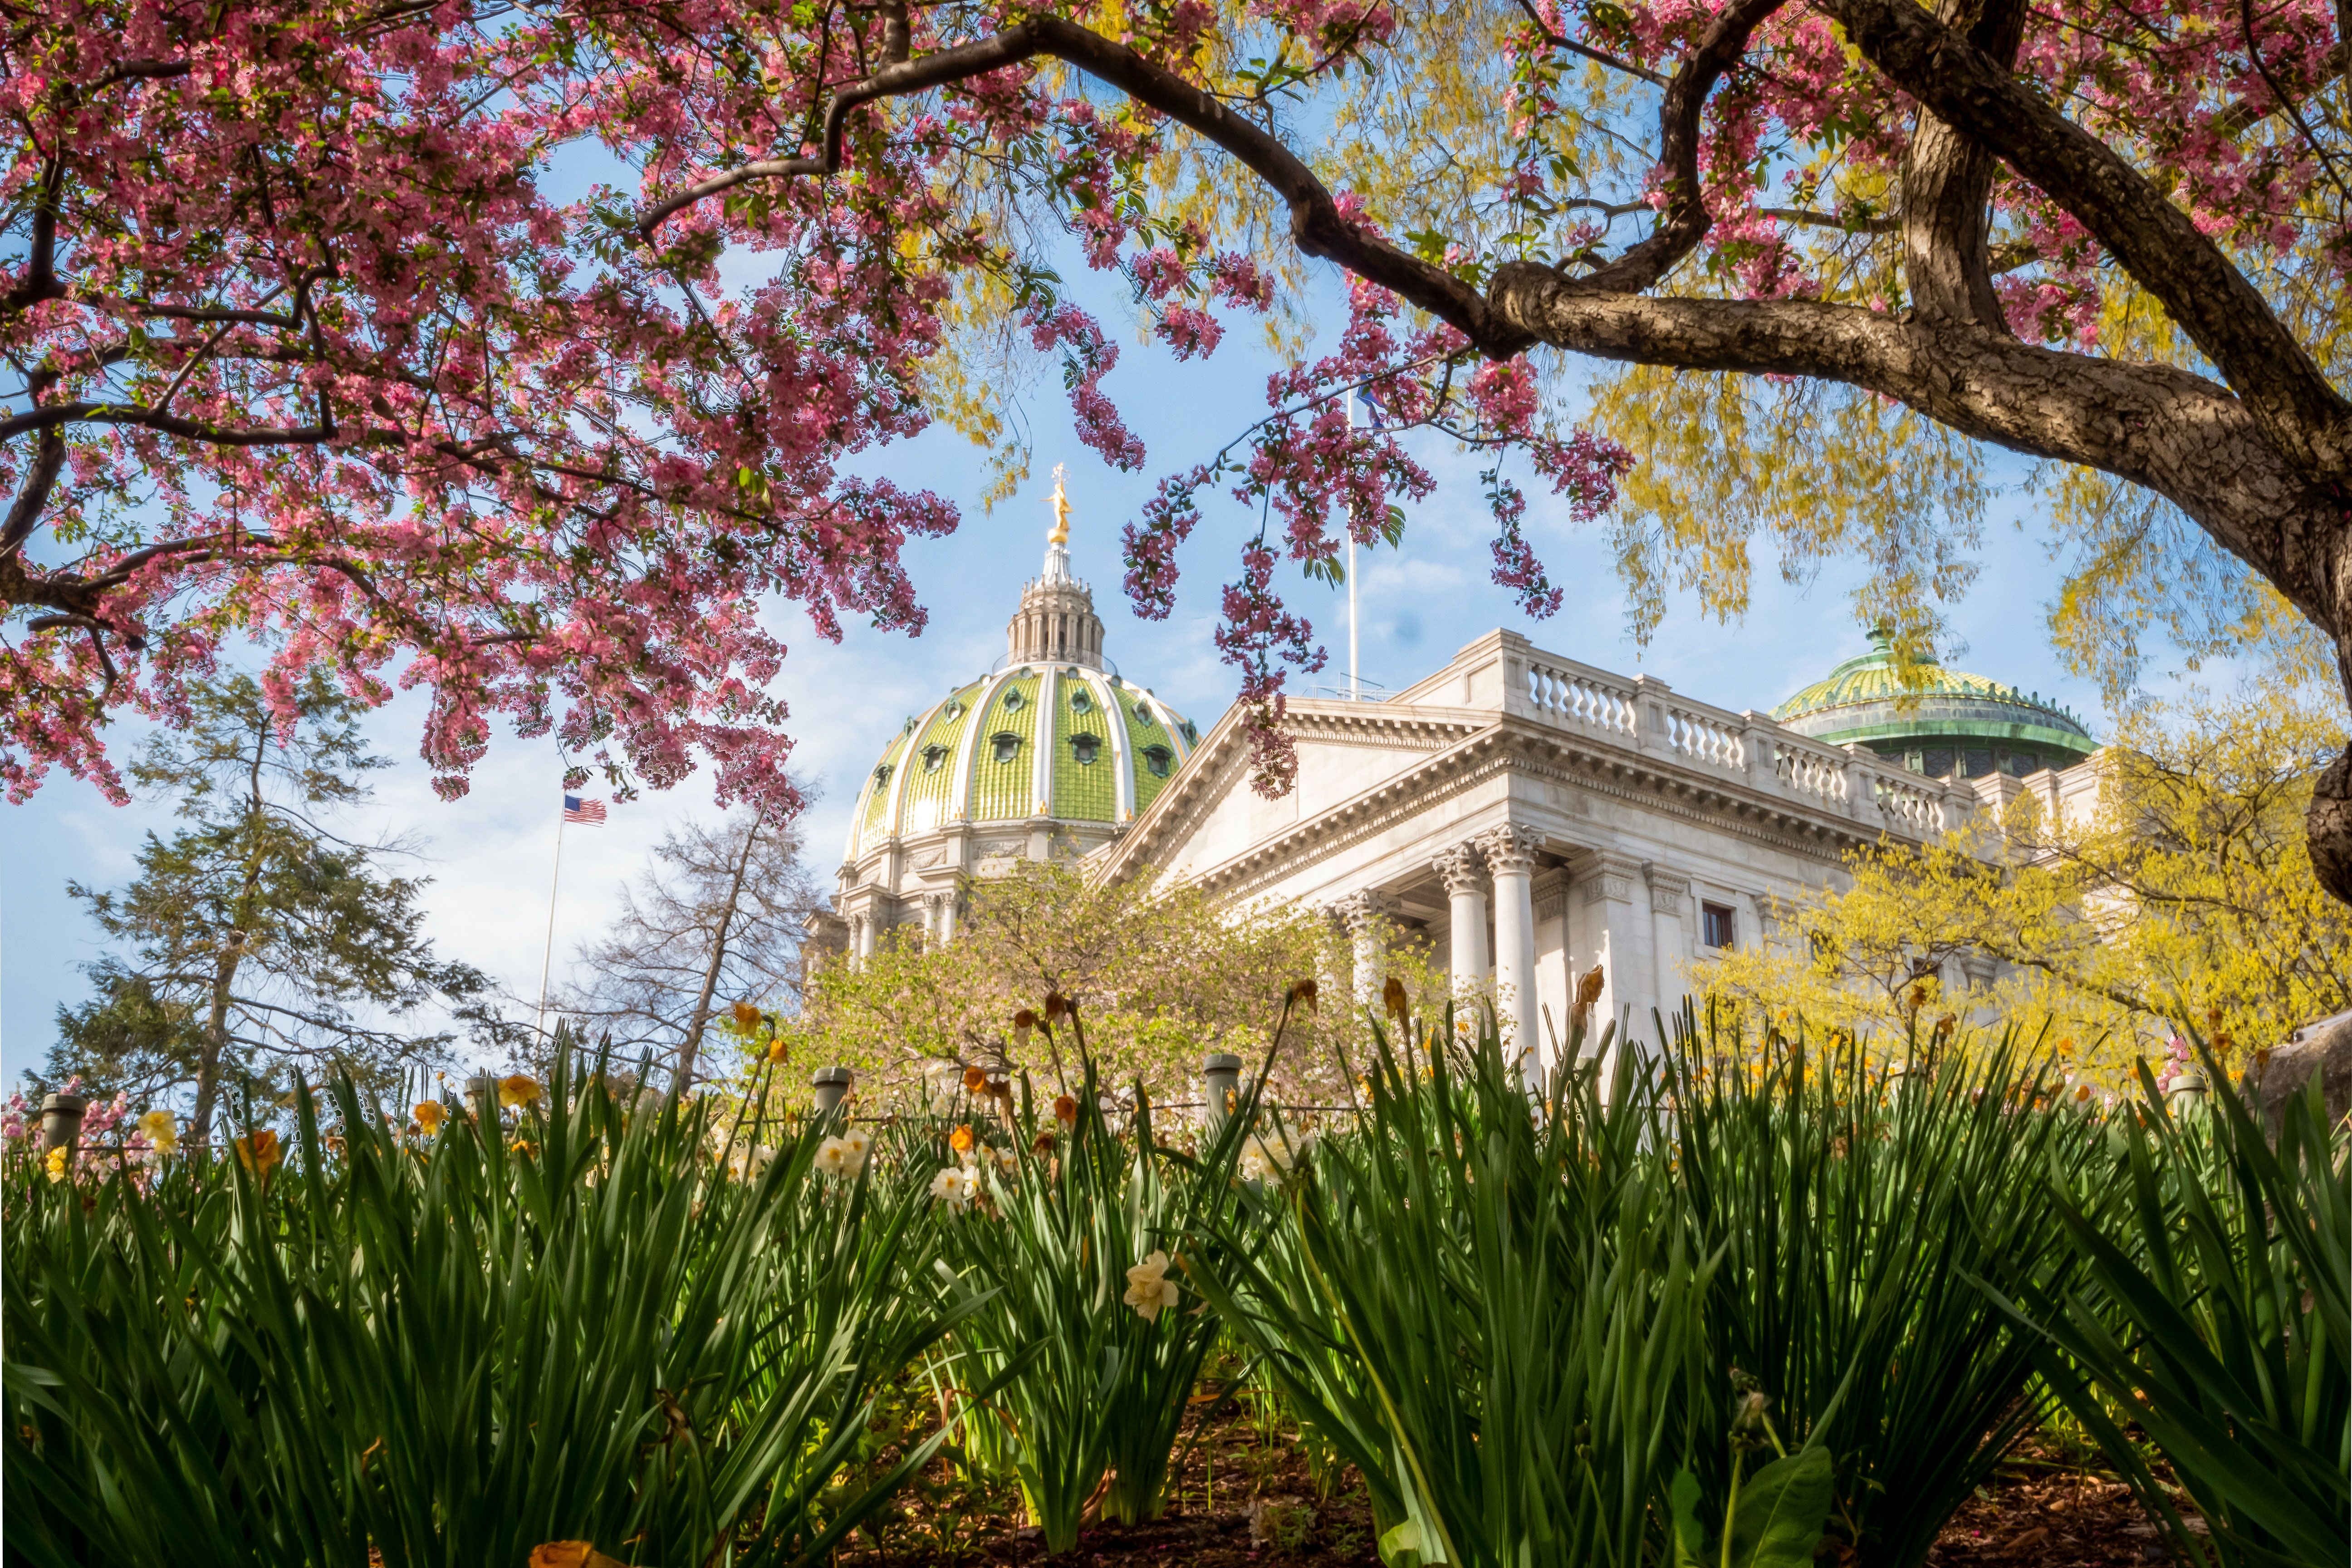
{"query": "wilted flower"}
pixel 56 1163
pixel 1056 1005
pixel 259 1152
pixel 747 1017
pixel 1304 990
pixel 1042 1145
pixel 1149 1289
pixel 1394 1000
pixel 429 1115
pixel 1066 1109
pixel 161 1131
pixel 518 1089
pixel 974 1080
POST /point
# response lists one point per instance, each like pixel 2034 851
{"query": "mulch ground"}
pixel 1243 1498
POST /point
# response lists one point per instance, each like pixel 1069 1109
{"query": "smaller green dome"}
pixel 1954 724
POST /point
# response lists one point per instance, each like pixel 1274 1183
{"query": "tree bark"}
pixel 232 951
pixel 701 1014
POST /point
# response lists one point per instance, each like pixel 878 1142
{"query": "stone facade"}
pixel 1534 817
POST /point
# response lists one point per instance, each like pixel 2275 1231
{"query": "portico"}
pixel 1533 818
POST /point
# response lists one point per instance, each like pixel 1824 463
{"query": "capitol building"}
pixel 1529 816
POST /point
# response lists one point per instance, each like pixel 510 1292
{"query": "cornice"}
pixel 1224 753
pixel 1534 751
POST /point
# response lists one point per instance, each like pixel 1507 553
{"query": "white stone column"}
pixel 1510 852
pixel 1670 936
pixel 1465 896
pixel 1606 891
pixel 1367 916
pixel 939 922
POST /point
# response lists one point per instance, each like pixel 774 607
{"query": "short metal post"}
pixel 61 1117
pixel 1221 1074
pixel 832 1086
pixel 482 1096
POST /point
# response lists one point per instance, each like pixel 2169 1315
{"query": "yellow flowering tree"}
pixel 1160 978
pixel 2184 892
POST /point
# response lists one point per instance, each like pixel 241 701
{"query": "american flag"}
pixel 591 812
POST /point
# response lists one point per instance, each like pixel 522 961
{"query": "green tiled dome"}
pixel 1108 747
pixel 1954 725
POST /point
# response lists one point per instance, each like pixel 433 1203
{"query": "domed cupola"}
pixel 1956 725
pixel 1051 753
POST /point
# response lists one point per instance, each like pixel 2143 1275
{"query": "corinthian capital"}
pixel 1510 847
pixel 1356 912
pixel 1461 870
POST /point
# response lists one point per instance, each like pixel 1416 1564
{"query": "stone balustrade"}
pixel 1645 717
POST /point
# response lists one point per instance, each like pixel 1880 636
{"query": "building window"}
pixel 1979 761
pixel 1084 748
pixel 882 775
pixel 1004 745
pixel 1143 714
pixel 1080 702
pixel 1157 758
pixel 953 711
pixel 933 756
pixel 1939 762
pixel 1718 926
pixel 1013 702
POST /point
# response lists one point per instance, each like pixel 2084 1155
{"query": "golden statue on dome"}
pixel 1061 533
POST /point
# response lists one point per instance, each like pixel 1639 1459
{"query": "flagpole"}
pixel 1355 692
pixel 547 955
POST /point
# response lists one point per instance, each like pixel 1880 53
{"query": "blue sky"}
pixel 490 855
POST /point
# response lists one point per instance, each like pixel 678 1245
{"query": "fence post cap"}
pixel 1220 1061
pixel 71 1103
pixel 831 1075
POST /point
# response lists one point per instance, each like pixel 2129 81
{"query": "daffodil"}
pixel 518 1089
pixel 162 1131
pixel 1265 1160
pixel 776 1049
pixel 956 1187
pixel 845 1156
pixel 960 1140
pixel 747 1017
pixel 259 1152
pixel 974 1080
pixel 1066 1109
pixel 1149 1289
pixel 1007 1162
pixel 429 1115
pixel 56 1163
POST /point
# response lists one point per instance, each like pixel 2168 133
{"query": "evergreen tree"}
pixel 256 942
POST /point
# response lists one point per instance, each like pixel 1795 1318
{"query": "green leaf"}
pixel 1690 1536
pixel 1781 1512
pixel 1400 1547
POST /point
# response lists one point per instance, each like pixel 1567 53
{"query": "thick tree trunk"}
pixel 2327 828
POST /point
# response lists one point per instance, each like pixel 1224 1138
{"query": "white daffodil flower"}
pixel 1149 1289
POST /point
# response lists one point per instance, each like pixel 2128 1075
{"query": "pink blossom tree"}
pixel 309 352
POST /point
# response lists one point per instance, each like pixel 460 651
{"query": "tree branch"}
pixel 1947 184
pixel 2158 243
pixel 50 415
pixel 33 497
